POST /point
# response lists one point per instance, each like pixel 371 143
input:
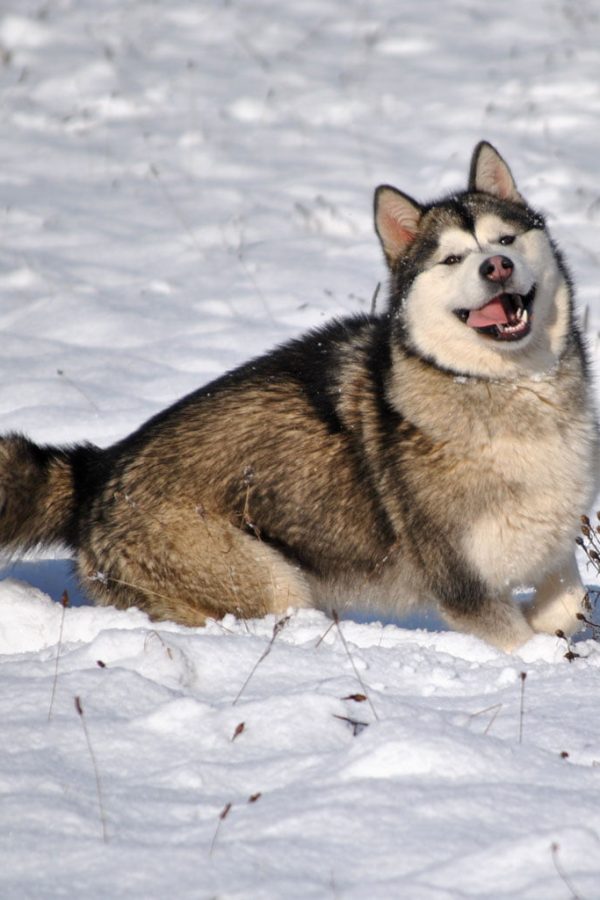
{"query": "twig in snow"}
pixel 79 709
pixel 64 600
pixel 253 53
pixel 590 544
pixel 593 625
pixel 222 816
pixel 324 635
pixel 495 709
pixel 356 725
pixel 336 622
pixel 79 389
pixel 276 630
pixel 522 676
pixel 154 634
pixel 554 848
pixel 570 655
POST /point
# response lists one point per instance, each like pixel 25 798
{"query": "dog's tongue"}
pixel 493 313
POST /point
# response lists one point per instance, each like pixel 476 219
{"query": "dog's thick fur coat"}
pixel 440 452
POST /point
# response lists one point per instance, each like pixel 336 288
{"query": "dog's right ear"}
pixel 397 218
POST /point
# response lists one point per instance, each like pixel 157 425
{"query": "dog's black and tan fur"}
pixel 364 462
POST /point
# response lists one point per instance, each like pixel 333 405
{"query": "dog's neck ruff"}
pixel 403 350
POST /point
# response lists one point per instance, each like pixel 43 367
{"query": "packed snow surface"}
pixel 182 186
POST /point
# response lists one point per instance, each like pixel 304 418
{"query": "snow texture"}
pixel 182 186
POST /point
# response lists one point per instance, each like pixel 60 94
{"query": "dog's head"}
pixel 477 287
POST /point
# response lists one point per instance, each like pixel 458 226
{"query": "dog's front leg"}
pixel 559 598
pixel 496 619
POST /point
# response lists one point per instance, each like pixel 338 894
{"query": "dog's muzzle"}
pixel 506 317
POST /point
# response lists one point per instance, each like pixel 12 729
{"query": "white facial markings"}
pixel 454 242
pixel 490 228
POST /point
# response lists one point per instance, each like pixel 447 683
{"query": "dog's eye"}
pixel 506 239
pixel 451 260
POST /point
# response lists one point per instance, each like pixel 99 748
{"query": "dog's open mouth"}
pixel 506 317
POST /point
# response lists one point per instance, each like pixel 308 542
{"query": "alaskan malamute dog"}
pixel 440 452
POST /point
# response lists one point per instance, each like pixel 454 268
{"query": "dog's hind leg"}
pixel 559 598
pixel 187 567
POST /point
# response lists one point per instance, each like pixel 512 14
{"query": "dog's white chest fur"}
pixel 529 528
pixel 536 483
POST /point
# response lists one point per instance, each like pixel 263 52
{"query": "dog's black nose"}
pixel 496 268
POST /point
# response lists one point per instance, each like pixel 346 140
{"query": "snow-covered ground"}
pixel 183 185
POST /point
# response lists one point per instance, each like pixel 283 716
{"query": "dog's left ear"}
pixel 490 174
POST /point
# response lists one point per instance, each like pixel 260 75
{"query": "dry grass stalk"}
pixel 79 708
pixel 64 600
pixel 336 622
pixel 495 709
pixel 277 628
pixel 222 816
pixel 522 676
pixel 554 848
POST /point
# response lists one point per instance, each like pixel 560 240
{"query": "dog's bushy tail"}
pixel 38 494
